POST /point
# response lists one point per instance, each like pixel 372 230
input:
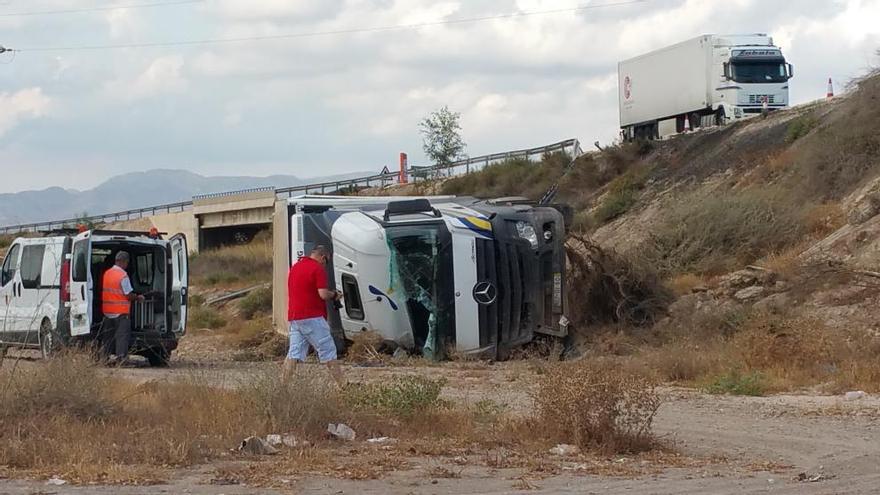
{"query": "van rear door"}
pixel 179 283
pixel 81 285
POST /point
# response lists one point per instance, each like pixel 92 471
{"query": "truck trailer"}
pixel 704 81
pixel 433 275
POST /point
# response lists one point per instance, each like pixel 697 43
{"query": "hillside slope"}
pixel 767 232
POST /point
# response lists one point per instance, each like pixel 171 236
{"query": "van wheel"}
pixel 49 343
pixel 158 357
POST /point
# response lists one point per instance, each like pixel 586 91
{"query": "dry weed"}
pixel 799 350
pixel 233 266
pixel 611 288
pixel 685 283
pixel 596 406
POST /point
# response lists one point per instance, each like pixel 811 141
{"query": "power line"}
pixel 313 34
pixel 100 9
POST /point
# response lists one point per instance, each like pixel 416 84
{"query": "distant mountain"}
pixel 133 190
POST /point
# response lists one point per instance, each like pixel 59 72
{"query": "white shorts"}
pixel 314 331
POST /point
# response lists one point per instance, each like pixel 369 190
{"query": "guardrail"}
pixel 460 167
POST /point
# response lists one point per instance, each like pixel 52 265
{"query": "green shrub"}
pixel 514 177
pixel 735 383
pixel 800 127
pixel 205 317
pixel 401 396
pixel 622 195
pixel 258 301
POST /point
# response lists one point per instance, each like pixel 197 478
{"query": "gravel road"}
pixel 751 444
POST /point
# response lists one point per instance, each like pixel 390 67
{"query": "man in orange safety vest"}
pixel 116 297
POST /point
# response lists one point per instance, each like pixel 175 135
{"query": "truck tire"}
pixel 158 357
pixel 49 341
pixel 241 237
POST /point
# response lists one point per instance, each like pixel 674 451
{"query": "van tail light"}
pixel 65 281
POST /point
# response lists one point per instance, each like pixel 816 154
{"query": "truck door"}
pixel 81 285
pixel 179 283
pixel 8 289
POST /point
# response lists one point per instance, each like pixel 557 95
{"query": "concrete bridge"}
pixel 214 220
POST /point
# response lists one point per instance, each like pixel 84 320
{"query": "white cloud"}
pixel 350 101
pixel 28 103
pixel 164 75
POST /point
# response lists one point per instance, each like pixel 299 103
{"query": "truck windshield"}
pixel 759 72
pixel 421 270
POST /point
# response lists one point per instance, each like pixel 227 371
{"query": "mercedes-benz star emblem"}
pixel 485 293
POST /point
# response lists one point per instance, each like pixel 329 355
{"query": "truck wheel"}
pixel 158 357
pixel 49 343
pixel 241 237
pixel 719 116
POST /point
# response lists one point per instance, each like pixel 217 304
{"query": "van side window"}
pixel 32 265
pixel 352 298
pixel 10 266
pixel 80 261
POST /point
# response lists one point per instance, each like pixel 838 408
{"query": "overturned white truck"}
pixel 432 274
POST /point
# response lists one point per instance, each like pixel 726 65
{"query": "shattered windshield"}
pixel 421 270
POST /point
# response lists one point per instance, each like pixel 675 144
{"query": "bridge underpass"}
pixel 232 218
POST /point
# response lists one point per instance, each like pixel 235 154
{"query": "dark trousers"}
pixel 116 330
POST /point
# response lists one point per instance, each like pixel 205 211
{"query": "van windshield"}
pixel 759 72
pixel 421 269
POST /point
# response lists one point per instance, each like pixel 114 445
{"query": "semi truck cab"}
pixel 437 274
pixel 753 72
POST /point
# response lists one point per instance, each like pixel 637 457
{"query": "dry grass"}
pixel 750 353
pixel 514 177
pixel 365 348
pixel 593 405
pixel 716 233
pixel 824 219
pixel 258 302
pixel 234 266
pixel 685 283
pixel 68 417
pixel 256 339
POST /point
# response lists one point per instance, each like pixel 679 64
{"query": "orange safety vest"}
pixel 113 299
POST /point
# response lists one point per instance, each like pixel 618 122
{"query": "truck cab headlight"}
pixel 527 231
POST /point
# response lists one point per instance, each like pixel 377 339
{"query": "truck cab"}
pixel 753 72
pixel 438 274
pixel 50 290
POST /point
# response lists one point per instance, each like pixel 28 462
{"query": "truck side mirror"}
pixel 727 70
pixel 790 70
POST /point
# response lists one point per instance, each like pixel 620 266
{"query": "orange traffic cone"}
pixel 830 89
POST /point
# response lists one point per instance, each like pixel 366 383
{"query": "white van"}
pixel 50 290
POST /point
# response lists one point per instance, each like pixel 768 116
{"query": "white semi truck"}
pixel 431 274
pixel 708 80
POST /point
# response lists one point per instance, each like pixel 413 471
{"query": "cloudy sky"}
pixel 317 105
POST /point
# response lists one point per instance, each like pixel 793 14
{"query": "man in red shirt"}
pixel 307 296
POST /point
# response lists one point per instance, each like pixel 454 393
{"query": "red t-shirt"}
pixel 306 276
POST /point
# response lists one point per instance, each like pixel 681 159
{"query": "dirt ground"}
pixel 719 444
